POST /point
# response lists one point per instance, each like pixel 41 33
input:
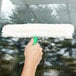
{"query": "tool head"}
pixel 40 30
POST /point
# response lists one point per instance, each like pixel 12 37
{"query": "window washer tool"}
pixel 38 30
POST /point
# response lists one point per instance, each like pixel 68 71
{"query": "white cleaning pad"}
pixel 41 30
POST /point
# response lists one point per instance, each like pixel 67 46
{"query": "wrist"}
pixel 30 64
pixel 29 69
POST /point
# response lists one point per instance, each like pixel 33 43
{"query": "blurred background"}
pixel 59 57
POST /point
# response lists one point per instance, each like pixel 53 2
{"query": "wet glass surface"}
pixel 59 57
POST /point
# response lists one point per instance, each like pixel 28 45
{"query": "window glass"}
pixel 59 57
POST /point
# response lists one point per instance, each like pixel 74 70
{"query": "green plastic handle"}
pixel 35 38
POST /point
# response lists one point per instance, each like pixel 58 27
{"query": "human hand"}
pixel 33 53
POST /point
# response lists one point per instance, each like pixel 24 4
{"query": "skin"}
pixel 33 55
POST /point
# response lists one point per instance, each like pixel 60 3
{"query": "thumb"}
pixel 31 42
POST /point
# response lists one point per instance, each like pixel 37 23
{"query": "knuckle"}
pixel 41 49
pixel 42 53
pixel 38 45
pixel 26 46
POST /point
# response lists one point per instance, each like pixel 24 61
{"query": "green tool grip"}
pixel 35 38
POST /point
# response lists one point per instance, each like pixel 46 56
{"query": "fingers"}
pixel 40 54
pixel 41 51
pixel 31 42
pixel 37 45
